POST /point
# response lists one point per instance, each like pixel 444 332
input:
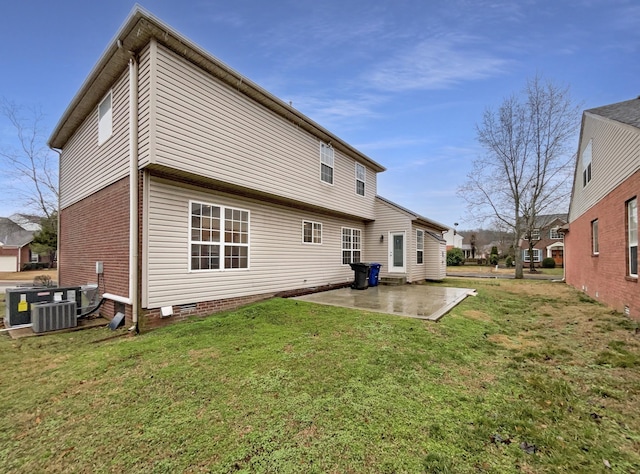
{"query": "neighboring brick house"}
pixel 197 190
pixel 548 240
pixel 16 235
pixel 602 237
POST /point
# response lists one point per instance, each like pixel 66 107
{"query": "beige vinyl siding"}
pixel 145 107
pixel 615 157
pixel 278 260
pixel 388 219
pixel 207 128
pixel 86 167
pixel 435 258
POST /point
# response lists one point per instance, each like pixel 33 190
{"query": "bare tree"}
pixel 527 166
pixel 32 167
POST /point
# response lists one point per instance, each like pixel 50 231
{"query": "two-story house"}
pixel 185 188
pixel 602 237
pixel 548 240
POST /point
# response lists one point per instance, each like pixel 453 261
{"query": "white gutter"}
pixel 133 191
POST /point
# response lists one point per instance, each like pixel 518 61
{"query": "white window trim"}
pixel 632 241
pixel 313 226
pixel 351 250
pixel 558 234
pixel 222 243
pixel 328 161
pixel 525 255
pixel 595 237
pixel 105 123
pixel 586 160
pixel 418 248
pixel 360 166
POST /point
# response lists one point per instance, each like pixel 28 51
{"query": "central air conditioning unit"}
pixel 53 316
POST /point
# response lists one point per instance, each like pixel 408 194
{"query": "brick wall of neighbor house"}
pixel 97 229
pixel 603 277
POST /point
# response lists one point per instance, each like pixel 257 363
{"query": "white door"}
pixel 397 252
pixel 8 264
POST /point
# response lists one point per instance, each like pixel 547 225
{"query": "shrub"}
pixel 42 280
pixel 548 263
pixel 455 257
pixel 493 259
pixel 508 261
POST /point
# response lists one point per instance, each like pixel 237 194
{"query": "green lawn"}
pixel 529 376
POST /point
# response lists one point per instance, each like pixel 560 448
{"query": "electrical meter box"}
pixel 19 301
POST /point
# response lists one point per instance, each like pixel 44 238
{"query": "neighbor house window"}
pixel 632 236
pixel 586 164
pixel 35 258
pixel 326 163
pixel 360 176
pixel 311 232
pixel 419 246
pixel 104 119
pixel 595 245
pixel 351 245
pixel 555 233
pixel 219 237
pixel 537 255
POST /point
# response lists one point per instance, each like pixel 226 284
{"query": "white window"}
pixel 104 119
pixel 419 246
pixel 219 237
pixel 311 232
pixel 537 255
pixel 586 164
pixel 595 245
pixel 535 234
pixel 351 245
pixel 632 236
pixel 326 163
pixel 35 258
pixel 555 234
pixel 360 177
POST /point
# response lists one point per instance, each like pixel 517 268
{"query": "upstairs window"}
pixel 311 232
pixel 360 177
pixel 534 235
pixel 595 245
pixel 326 163
pixel 351 245
pixel 419 246
pixel 632 236
pixel 105 121
pixel 586 164
pixel 555 234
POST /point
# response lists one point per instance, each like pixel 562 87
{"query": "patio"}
pixel 413 301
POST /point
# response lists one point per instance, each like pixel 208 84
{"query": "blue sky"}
pixel 404 81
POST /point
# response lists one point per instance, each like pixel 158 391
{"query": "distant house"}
pixel 548 240
pixel 16 235
pixel 185 189
pixel 602 237
pixel 453 239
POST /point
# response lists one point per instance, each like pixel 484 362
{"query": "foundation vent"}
pixel 53 316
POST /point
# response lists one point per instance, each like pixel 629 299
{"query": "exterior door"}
pixel 397 252
pixel 557 255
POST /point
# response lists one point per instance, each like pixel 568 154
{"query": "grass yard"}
pixel 529 376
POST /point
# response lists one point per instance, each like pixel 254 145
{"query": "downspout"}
pixel 59 152
pixel 134 230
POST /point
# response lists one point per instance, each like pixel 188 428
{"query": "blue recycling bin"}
pixel 374 273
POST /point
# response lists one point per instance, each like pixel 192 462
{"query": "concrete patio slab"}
pixel 413 301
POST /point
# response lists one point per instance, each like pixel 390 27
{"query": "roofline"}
pixel 135 33
pixel 415 216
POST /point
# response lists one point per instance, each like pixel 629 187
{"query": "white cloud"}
pixel 437 63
